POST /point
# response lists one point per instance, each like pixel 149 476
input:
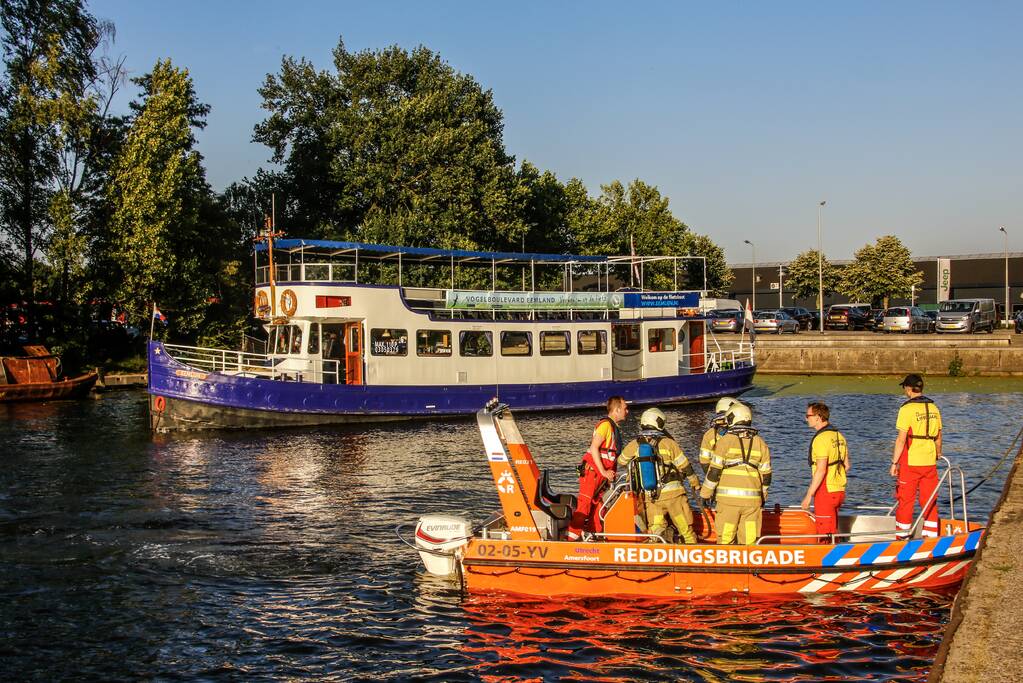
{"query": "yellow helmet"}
pixel 738 414
pixel 722 407
pixel 653 418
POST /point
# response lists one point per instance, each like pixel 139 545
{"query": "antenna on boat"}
pixel 269 226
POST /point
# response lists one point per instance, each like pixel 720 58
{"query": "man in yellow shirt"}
pixel 829 462
pixel 597 469
pixel 739 474
pixel 914 458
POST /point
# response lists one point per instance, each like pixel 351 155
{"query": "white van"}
pixel 966 315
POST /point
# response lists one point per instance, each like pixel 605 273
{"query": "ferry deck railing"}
pixel 255 364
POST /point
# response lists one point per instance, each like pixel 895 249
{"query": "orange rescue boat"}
pixel 521 550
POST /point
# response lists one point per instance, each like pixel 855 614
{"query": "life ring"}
pixel 159 403
pixel 289 302
pixel 262 305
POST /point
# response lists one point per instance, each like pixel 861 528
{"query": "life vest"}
pixel 927 419
pixel 809 453
pixel 608 454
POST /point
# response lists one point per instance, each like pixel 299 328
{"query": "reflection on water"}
pixel 273 555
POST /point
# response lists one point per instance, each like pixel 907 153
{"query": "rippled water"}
pixel 272 555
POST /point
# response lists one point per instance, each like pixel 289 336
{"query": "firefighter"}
pixel 658 477
pixel 739 475
pixel 914 458
pixel 597 469
pixel 716 431
pixel 828 457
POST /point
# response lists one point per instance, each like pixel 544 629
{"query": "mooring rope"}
pixel 1001 461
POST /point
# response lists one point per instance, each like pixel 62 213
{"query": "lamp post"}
pixel 1005 252
pixel 820 271
pixel 754 273
pixel 781 286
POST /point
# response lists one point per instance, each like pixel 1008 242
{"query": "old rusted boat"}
pixel 36 377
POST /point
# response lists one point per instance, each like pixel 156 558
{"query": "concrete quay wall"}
pixel 983 641
pixel 865 354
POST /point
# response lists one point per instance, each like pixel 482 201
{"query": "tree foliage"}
pixel 804 278
pixel 880 271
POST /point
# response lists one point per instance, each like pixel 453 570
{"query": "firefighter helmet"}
pixel 738 414
pixel 653 418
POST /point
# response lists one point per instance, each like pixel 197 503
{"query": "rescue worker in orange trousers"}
pixel 828 457
pixel 597 469
pixel 667 497
pixel 716 431
pixel 739 475
pixel 914 458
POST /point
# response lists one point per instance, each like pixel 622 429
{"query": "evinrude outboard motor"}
pixel 437 537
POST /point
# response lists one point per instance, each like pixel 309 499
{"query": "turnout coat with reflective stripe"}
pixel 740 470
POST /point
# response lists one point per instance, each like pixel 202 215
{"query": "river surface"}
pixel 271 555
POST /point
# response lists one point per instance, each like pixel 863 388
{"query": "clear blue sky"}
pixel 906 117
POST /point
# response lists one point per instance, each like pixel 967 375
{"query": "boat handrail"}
pixel 612 534
pixel 950 471
pixel 253 364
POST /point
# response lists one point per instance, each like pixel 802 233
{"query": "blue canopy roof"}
pixel 425 253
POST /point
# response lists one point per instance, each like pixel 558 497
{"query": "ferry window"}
pixel 433 343
pixel 661 339
pixel 280 339
pixel 555 344
pixel 627 338
pixel 317 271
pixel 475 343
pixel 296 339
pixel 592 342
pixel 314 339
pixel 516 343
pixel 386 341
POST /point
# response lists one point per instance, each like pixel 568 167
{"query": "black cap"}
pixel 913 382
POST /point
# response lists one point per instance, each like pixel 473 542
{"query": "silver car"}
pixel 726 321
pixel 905 319
pixel 774 321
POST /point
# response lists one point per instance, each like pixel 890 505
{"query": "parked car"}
pixel 774 321
pixel 877 316
pixel 967 315
pixel 805 318
pixel 905 319
pixel 932 316
pixel 1019 322
pixel 726 321
pixel 849 317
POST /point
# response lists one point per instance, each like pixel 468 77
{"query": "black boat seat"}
pixel 557 506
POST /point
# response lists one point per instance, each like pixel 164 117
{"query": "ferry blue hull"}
pixel 183 397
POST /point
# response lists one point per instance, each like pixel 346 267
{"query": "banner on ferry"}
pixel 496 301
pixel 662 300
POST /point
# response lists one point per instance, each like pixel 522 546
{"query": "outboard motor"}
pixel 437 538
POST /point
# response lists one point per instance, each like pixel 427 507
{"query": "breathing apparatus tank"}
pixel 647 460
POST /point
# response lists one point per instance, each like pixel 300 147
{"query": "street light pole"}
pixel 754 273
pixel 781 286
pixel 1005 252
pixel 820 272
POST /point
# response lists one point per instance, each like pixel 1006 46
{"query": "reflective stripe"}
pixel 739 493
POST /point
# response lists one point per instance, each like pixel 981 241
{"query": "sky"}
pixel 906 118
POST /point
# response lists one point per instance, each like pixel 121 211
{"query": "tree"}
pixel 397 146
pixel 804 278
pixel 46 98
pixel 880 271
pixel 157 190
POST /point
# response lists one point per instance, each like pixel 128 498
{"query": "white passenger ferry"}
pixel 360 332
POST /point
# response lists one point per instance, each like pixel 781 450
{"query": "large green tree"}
pixel 880 271
pixel 46 102
pixel 158 190
pixel 395 147
pixel 804 278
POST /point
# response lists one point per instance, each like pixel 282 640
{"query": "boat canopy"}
pixel 383 251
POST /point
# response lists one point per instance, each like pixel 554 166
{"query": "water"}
pixel 272 555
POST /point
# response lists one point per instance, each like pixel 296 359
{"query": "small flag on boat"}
pixel 747 322
pixel 157 315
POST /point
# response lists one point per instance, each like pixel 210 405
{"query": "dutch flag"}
pixel 157 315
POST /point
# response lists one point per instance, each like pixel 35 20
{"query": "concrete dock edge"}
pixel 983 640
